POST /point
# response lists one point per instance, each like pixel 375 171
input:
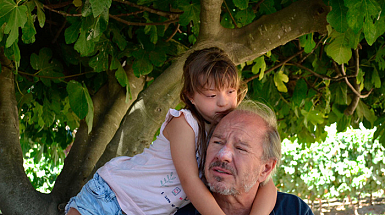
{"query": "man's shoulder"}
pixel 290 204
pixel 287 204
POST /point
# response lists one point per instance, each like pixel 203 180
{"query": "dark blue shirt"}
pixel 287 204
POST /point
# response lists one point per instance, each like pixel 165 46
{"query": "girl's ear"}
pixel 191 99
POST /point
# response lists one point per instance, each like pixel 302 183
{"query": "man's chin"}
pixel 221 188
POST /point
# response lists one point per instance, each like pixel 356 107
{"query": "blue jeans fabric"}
pixel 96 197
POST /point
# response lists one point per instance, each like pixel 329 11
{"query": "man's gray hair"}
pixel 272 142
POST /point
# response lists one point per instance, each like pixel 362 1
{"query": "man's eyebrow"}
pixel 220 136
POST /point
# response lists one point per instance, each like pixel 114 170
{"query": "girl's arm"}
pixel 265 200
pixel 182 143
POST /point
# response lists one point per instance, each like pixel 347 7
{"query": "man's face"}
pixel 233 163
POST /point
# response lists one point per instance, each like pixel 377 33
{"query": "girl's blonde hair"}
pixel 201 68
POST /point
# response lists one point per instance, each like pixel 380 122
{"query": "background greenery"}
pixel 110 69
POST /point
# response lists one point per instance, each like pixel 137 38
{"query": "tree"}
pixel 109 70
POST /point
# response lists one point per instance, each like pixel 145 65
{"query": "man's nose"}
pixel 225 154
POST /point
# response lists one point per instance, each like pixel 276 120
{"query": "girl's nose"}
pixel 222 101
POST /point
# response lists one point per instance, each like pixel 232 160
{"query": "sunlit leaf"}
pixel 259 67
pixel 307 42
pixel 279 79
pixel 339 48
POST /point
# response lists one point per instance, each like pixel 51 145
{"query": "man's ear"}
pixel 267 168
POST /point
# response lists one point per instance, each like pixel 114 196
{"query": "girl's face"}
pixel 212 102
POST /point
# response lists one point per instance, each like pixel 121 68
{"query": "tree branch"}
pixel 170 15
pixel 142 24
pixel 173 33
pixel 300 18
pixel 60 12
pixel 356 92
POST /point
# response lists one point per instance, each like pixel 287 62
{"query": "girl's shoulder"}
pixel 187 117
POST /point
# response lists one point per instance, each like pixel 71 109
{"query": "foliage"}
pixel 346 164
pixel 43 173
pixel 63 53
pixel 92 44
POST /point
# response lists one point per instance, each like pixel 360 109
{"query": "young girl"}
pixel 151 182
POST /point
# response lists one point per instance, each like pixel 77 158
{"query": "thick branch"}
pixel 210 25
pixel 273 30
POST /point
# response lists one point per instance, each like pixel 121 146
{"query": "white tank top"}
pixel 148 183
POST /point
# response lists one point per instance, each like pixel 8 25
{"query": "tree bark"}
pixel 17 193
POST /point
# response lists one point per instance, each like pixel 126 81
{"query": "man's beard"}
pixel 217 187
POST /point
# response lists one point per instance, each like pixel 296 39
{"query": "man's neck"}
pixel 236 205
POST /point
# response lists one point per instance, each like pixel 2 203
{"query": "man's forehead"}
pixel 240 123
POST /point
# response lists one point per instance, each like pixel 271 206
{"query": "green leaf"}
pixel 40 13
pixel 90 113
pixel 17 18
pixel 78 99
pixel 226 21
pixel 340 93
pixel 99 6
pixel 118 38
pixel 245 17
pixel 313 116
pixel 300 92
pixel 120 74
pixel 371 10
pixel 29 31
pixel 259 67
pixel 78 3
pixel 142 67
pixel 6 6
pixel 158 57
pixel 339 48
pixel 241 4
pixel 307 42
pixel 71 33
pixel 153 32
pixel 99 62
pixel 98 26
pixel 380 58
pixel 355 14
pixel 83 46
pixel 363 110
pixel 267 7
pixel 376 78
pixel 191 13
pixel 337 16
pixel 279 79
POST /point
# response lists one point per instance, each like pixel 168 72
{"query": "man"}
pixel 242 154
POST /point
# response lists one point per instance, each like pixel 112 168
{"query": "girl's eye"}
pixel 211 96
pixel 231 91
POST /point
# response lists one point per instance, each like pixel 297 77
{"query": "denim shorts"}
pixel 96 197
